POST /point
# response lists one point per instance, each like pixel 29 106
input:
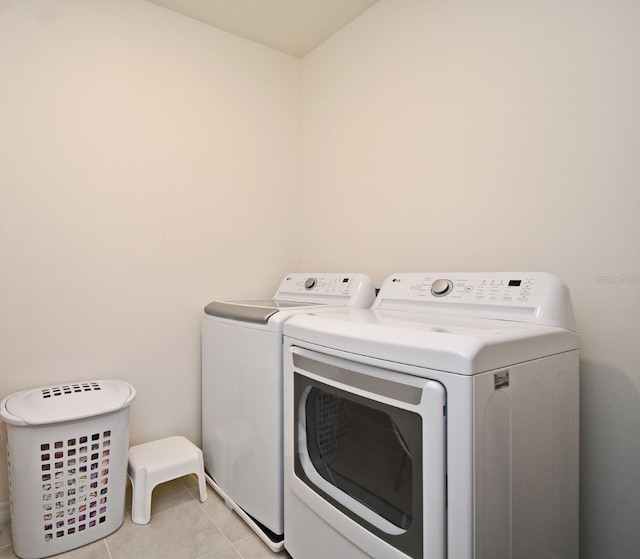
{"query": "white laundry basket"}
pixel 67 452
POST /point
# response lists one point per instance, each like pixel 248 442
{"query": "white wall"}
pixel 147 166
pixel 496 135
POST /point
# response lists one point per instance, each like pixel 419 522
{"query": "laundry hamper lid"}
pixel 66 402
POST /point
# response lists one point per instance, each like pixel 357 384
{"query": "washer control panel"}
pixel 353 289
pixel 318 284
pixel 496 295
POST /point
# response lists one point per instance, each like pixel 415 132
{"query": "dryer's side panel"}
pixel 526 460
pixel 242 416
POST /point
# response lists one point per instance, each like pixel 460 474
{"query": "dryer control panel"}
pixel 535 297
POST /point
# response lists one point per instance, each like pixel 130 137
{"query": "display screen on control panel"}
pixel 515 283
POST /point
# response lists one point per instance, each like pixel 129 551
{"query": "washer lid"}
pixel 258 310
pixel 66 402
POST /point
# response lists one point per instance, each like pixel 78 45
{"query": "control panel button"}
pixel 441 287
pixel 310 283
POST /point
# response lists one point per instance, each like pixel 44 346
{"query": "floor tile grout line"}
pixel 204 510
pixel 104 540
pixel 231 544
pixel 196 497
pixel 211 553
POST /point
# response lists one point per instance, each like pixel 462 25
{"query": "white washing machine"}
pixel 242 437
pixel 441 423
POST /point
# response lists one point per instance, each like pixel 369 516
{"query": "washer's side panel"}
pixel 241 425
pixel 526 460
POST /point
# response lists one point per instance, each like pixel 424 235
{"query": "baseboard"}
pixel 5 512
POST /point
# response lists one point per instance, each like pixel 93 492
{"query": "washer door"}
pixel 371 442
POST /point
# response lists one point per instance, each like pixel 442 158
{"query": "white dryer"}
pixel 441 423
pixel 242 439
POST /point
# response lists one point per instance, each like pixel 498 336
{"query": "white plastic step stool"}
pixel 157 462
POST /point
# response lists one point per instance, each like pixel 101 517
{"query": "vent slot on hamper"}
pixel 67 451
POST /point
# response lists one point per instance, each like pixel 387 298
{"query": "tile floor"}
pixel 181 527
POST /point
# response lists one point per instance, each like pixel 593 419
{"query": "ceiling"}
pixel 295 27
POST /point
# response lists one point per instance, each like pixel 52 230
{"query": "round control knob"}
pixel 441 287
pixel 310 283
